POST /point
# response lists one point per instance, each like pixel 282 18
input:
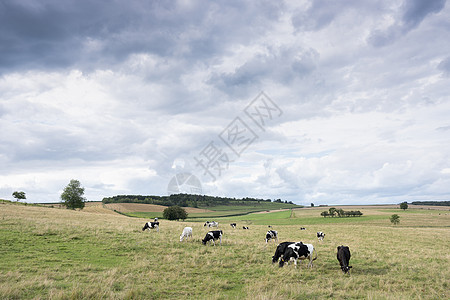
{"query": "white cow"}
pixel 187 232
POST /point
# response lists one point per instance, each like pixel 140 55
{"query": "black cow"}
pixel 343 256
pixel 302 228
pixel 151 225
pixel 212 236
pixel 281 248
pixel 271 235
pixel 233 225
pixel 294 251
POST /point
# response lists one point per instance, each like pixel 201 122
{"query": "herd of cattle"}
pixel 285 252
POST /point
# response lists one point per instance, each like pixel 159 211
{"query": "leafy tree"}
pixel 324 214
pixel 340 212
pixel 332 211
pixel 312 204
pixel 404 205
pixel 174 213
pixel 72 195
pixel 395 219
pixel 19 195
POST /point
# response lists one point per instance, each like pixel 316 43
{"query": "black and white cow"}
pixel 320 236
pixel 343 256
pixel 151 225
pixel 302 228
pixel 211 224
pixel 310 256
pixel 271 235
pixel 212 236
pixel 294 252
pixel 281 248
pixel 233 225
pixel 245 227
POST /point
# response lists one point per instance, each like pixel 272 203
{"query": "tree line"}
pixel 187 200
pixel 332 212
pixel 438 203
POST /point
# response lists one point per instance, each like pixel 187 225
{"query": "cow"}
pixel 320 236
pixel 271 235
pixel 302 228
pixel 151 225
pixel 233 225
pixel 187 233
pixel 294 252
pixel 211 224
pixel 245 227
pixel 343 256
pixel 281 248
pixel 212 236
pixel 310 256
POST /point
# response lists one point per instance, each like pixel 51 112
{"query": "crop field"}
pixel 51 253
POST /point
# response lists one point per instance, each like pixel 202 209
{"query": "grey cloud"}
pixel 60 34
pixel 411 15
pixel 282 65
pixel 444 66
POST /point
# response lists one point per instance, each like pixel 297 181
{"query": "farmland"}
pixel 51 253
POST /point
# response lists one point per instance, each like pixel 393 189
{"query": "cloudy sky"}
pixel 330 102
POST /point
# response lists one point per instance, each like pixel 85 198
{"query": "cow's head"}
pixel 346 269
pixel 145 227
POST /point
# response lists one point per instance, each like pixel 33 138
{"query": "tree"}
pixel 395 219
pixel 174 213
pixel 324 214
pixel 332 211
pixel 340 212
pixel 312 204
pixel 404 205
pixel 19 195
pixel 72 195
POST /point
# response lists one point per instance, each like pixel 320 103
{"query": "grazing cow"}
pixel 343 256
pixel 310 256
pixel 212 236
pixel 211 224
pixel 281 248
pixel 302 228
pixel 320 236
pixel 294 252
pixel 244 227
pixel 271 235
pixel 187 233
pixel 151 225
pixel 233 225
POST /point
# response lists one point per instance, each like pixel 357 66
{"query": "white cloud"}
pixel 363 88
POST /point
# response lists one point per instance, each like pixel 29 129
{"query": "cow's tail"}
pixel 316 254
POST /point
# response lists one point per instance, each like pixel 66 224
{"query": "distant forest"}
pixel 187 200
pixel 438 203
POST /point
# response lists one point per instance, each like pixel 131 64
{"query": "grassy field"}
pixel 50 253
pixel 150 211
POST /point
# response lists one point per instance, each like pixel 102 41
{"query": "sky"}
pixel 324 102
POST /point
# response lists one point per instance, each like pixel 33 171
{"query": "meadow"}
pixel 52 253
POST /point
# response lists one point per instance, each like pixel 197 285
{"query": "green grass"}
pixel 49 253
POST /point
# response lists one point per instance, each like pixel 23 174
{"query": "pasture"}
pixel 51 253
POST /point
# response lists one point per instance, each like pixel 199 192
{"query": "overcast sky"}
pixel 329 102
